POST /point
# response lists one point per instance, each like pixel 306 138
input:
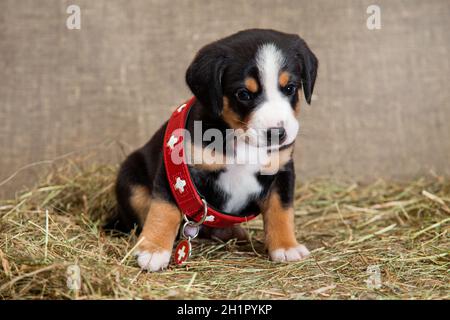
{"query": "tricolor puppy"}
pixel 251 82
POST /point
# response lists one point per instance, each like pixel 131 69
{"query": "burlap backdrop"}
pixel 381 105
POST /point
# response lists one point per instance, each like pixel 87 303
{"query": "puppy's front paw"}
pixel 153 261
pixel 296 253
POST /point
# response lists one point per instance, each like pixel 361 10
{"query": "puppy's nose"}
pixel 276 132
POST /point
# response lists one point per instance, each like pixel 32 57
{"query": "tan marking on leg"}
pixel 251 84
pixel 140 201
pixel 278 224
pixel 284 78
pixel 230 117
pixel 161 227
pixel 280 231
pixel 277 160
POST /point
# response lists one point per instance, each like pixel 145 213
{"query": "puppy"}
pixel 250 81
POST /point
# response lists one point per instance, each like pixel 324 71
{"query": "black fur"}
pixel 218 70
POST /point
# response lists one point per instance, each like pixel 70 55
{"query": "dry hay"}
pixel 399 228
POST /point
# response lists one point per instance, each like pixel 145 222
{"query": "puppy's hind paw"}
pixel 296 253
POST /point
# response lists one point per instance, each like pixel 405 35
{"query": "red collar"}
pixel 183 189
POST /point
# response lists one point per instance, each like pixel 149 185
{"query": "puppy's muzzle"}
pixel 275 135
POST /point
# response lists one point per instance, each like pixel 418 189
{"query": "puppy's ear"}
pixel 309 65
pixel 204 77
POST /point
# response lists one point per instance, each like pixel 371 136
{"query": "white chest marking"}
pixel 240 184
pixel 239 180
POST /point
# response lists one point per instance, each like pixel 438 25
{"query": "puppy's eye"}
pixel 290 89
pixel 243 95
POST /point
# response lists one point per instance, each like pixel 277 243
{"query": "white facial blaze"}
pixel 275 111
pixel 239 181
